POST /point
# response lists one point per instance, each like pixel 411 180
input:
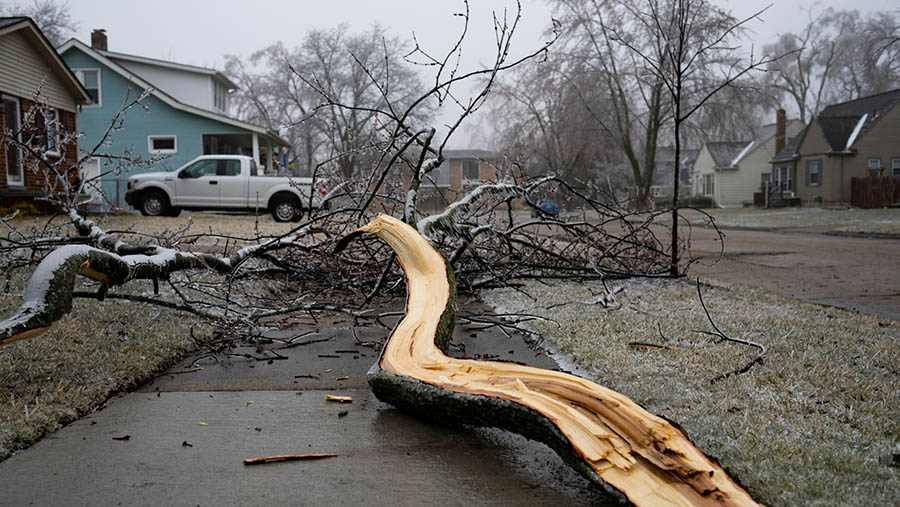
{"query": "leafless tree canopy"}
pixel 837 56
pixel 246 284
pixel 302 90
pixel 51 17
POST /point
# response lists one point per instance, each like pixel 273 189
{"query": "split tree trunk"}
pixel 604 435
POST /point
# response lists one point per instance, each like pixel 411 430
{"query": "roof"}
pixel 843 123
pixel 789 151
pixel 165 97
pixel 723 154
pixel 169 65
pixel 43 45
pixel 476 154
pixel 4 22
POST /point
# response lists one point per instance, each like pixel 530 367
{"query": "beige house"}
pixel 852 139
pixel 731 172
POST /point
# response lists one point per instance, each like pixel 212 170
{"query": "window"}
pixel 162 144
pixel 11 123
pixel 220 95
pixel 709 183
pixel 90 79
pixel 784 179
pixel 470 170
pixel 874 163
pixel 229 168
pixel 440 176
pixel 895 167
pixel 208 167
pixel 814 172
pixel 254 169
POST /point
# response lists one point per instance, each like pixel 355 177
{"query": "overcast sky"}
pixel 201 32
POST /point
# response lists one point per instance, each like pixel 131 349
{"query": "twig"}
pixel 286 457
pixel 723 337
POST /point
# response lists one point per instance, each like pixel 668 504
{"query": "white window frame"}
pixel 47 121
pixel 21 180
pixel 79 74
pixel 153 151
pixel 220 92
pixel 784 178
pixel 462 171
pixel 709 184
pixel 895 167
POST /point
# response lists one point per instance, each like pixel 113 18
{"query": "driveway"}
pixel 857 274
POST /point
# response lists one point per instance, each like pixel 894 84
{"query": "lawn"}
pixel 848 220
pixel 816 423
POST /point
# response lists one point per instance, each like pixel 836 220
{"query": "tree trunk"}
pixel 633 454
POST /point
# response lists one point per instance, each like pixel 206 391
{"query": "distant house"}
pixel 664 172
pixel 848 140
pixel 28 65
pixel 731 172
pixel 461 171
pixel 184 115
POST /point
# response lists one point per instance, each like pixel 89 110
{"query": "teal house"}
pixel 183 116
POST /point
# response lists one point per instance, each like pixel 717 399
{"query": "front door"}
pixel 198 185
pixel 89 174
pixel 15 176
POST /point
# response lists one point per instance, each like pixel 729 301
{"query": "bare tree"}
pixel 364 71
pixel 51 17
pixel 837 56
pixel 636 103
pixel 692 52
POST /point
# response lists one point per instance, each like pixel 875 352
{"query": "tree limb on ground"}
pixel 604 435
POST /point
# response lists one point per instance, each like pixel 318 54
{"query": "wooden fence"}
pixel 875 191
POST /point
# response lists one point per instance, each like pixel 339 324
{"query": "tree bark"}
pixel 634 455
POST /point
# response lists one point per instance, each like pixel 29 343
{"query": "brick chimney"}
pixel 780 130
pixel 98 39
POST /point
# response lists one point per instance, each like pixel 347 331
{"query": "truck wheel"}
pixel 154 204
pixel 286 209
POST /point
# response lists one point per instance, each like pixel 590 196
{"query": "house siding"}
pixel 154 117
pixel 738 187
pixel 34 176
pixel 188 87
pixel 880 141
pixel 22 69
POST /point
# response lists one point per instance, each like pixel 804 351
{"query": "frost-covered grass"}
pixel 857 221
pixel 816 424
pixel 98 350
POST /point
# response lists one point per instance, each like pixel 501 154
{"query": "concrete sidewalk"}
pixel 188 434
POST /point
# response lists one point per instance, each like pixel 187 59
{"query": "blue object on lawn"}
pixel 549 208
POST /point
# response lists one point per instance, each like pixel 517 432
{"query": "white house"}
pixel 731 172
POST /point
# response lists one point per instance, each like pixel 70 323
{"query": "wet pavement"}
pixel 182 439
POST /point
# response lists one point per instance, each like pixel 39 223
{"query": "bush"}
pixel 25 209
pixel 697 201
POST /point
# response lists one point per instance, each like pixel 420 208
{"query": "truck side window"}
pixel 202 168
pixel 229 168
pixel 253 169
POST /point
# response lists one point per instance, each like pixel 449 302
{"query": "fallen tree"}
pixel 601 433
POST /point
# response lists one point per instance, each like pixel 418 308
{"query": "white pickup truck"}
pixel 220 182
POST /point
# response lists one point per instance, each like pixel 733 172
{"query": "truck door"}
pixel 232 184
pixel 198 184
